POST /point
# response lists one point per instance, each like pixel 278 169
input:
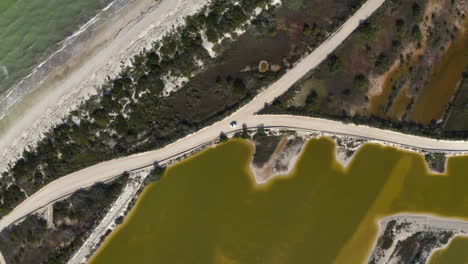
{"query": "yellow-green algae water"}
pixel 455 253
pixel 208 209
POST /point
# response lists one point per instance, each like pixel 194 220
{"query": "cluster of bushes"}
pixel 361 83
pixel 156 173
pixel 265 146
pixel 333 64
pixel 436 161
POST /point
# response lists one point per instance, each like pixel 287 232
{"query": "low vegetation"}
pixel 436 161
pixel 265 146
pixel 457 119
pixel 33 241
pixel 401 245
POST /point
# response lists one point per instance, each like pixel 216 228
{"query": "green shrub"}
pixel 416 11
pixel 312 102
pixel 367 30
pixel 295 5
pixel 382 63
pixel 400 27
pixel 361 83
pixel 333 64
pixel 416 33
pixel 223 137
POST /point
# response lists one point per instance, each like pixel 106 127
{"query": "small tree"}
pixel 312 102
pixel 416 10
pixel 238 87
pixel 333 64
pixel 260 130
pixel 223 137
pixel 361 83
pixel 119 220
pixel 382 63
pixel 245 131
pixel 157 173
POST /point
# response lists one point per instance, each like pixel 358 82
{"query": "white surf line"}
pixel 66 42
pixel 66 94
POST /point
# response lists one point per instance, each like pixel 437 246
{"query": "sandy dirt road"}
pixel 106 170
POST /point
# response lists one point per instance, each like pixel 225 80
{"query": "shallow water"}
pixel 207 209
pixel 31 29
pixel 455 253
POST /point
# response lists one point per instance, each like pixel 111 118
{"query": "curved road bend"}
pixel 109 169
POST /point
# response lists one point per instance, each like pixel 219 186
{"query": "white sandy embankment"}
pixel 117 209
pixel 135 27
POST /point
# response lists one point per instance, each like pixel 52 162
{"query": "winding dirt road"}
pixel 109 169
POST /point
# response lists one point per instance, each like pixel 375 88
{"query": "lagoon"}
pixel 208 209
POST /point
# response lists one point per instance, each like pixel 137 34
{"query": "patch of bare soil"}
pixel 377 82
pixel 263 66
pixel 345 149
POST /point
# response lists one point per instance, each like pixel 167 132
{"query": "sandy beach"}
pixel 65 50
pixel 134 28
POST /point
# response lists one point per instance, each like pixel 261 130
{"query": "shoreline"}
pixel 433 220
pixel 446 246
pixel 210 143
pixel 356 144
pixel 37 75
pixel 307 136
pixel 136 27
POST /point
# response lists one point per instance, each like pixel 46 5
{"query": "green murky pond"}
pixel 207 209
pixel 455 253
